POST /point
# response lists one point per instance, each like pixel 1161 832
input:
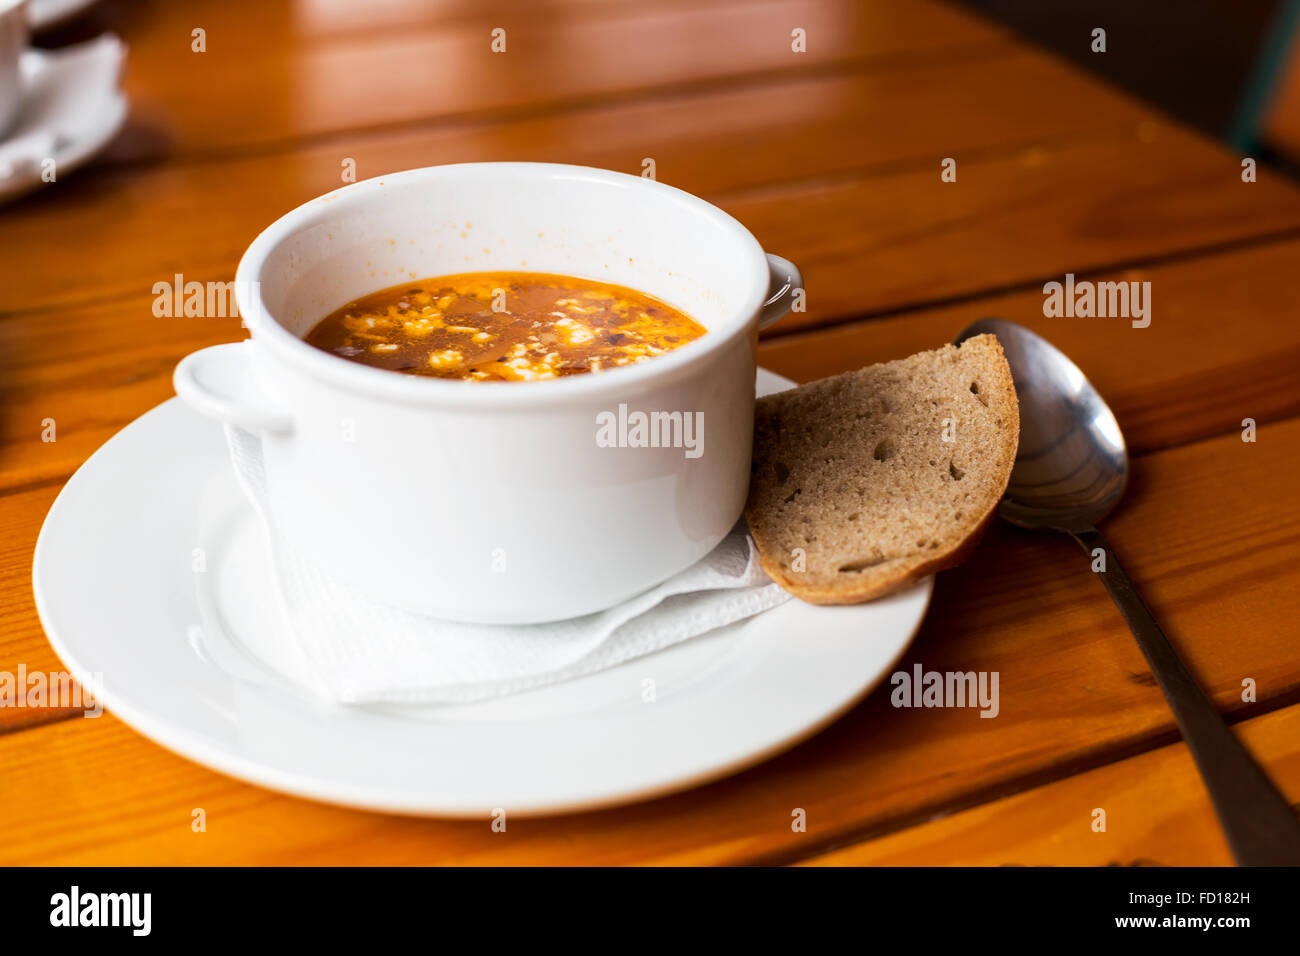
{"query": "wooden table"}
pixel 832 157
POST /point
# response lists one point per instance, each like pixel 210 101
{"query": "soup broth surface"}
pixel 504 327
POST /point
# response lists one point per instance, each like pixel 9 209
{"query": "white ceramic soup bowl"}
pixel 498 502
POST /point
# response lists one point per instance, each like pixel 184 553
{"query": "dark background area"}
pixel 1196 59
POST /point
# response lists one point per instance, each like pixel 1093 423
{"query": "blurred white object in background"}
pixel 13 41
pixel 46 13
pixel 70 107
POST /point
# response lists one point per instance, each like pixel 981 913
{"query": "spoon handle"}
pixel 1260 825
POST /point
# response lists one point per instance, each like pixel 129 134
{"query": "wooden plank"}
pixel 867 241
pixel 93 369
pixel 1053 825
pixel 1221 346
pixel 1055 174
pixel 297 71
pixel 163 220
pixel 22 641
pixel 872 245
pixel 1074 692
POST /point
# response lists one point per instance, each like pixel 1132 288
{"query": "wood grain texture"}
pixel 867 241
pixel 831 158
pixel 1053 825
pixel 870 246
pixel 159 220
pixel 289 72
pixel 22 641
pixel 1222 345
pixel 1074 694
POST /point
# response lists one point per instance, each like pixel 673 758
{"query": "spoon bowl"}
pixel 1072 466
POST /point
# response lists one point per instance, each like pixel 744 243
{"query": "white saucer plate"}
pixel 187 658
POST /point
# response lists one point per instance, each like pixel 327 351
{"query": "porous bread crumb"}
pixel 855 491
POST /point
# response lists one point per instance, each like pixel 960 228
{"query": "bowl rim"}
pixel 385 384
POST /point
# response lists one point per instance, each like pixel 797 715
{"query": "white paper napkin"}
pixel 353 650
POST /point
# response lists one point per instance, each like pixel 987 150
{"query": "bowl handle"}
pixel 785 280
pixel 217 382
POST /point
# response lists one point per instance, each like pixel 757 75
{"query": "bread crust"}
pixel 901 572
pixel 870 587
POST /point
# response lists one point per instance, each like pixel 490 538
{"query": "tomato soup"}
pixel 503 327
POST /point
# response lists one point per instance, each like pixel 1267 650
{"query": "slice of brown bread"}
pixel 855 491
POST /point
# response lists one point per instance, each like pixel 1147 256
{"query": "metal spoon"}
pixel 1070 471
